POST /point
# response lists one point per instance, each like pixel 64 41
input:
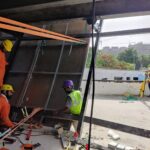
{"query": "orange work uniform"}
pixel 3 64
pixel 4 112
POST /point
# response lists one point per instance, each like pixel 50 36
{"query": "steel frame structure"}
pixel 86 35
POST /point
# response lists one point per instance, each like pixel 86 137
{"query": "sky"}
pixel 127 23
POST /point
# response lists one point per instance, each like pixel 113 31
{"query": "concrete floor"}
pixel 133 113
pixel 100 136
pixel 48 142
pixel 113 108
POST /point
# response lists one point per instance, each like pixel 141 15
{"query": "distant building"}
pixel 117 75
pixel 139 47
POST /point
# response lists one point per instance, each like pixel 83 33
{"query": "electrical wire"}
pixel 93 75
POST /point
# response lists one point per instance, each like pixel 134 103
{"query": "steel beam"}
pixel 56 71
pixel 120 127
pixel 29 76
pixel 36 33
pixel 88 35
pixel 103 8
pixel 12 25
pixel 46 73
pixel 99 122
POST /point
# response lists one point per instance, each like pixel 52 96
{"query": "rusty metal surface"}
pixel 73 59
pixel 23 59
pixel 38 89
pixel 40 68
pixel 48 58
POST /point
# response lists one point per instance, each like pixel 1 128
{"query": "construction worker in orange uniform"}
pixel 6 93
pixel 6 46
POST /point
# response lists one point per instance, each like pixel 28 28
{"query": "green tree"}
pixel 106 61
pixel 109 61
pixel 145 60
pixel 130 56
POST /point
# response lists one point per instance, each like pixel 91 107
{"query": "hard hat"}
pixel 7 45
pixel 68 83
pixel 7 87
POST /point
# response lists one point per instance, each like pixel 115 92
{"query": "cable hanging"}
pixel 92 67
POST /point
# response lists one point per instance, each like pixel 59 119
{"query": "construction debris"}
pixel 59 129
pixel 113 135
pixel 116 146
pixel 129 148
pixel 69 140
pixel 120 147
pixel 112 145
pixel 129 97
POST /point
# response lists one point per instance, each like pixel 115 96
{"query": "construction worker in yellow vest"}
pixel 73 99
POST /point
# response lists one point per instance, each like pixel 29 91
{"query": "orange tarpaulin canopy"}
pixel 12 25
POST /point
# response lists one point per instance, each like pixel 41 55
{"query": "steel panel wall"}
pixel 48 59
pixel 39 69
pixel 37 91
pixel 73 59
pixel 23 59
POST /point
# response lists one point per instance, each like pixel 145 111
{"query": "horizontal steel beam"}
pixel 119 127
pixel 47 73
pixel 88 35
pixel 103 8
pixel 117 81
pixel 12 25
pixel 116 33
pixel 16 26
pixel 96 121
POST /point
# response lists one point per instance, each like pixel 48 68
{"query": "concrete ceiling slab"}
pixel 68 9
pixel 42 5
pixel 19 3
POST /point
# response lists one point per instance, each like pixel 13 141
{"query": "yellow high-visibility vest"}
pixel 76 102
